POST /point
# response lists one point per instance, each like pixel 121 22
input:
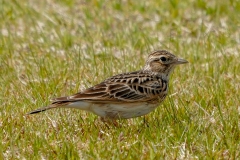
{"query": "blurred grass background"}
pixel 55 48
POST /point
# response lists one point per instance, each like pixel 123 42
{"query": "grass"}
pixel 56 48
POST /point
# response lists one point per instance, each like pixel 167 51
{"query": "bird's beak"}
pixel 181 61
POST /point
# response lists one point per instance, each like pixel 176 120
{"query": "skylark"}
pixel 125 95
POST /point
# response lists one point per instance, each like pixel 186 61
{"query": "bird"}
pixel 126 95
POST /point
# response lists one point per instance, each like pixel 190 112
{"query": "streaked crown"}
pixel 162 62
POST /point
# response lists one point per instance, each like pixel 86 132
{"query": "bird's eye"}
pixel 163 59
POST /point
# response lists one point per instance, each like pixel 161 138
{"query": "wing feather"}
pixel 129 87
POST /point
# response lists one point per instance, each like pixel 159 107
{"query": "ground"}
pixel 55 48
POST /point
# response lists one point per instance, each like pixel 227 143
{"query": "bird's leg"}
pixel 109 121
pixel 145 122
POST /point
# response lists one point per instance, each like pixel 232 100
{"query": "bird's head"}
pixel 162 62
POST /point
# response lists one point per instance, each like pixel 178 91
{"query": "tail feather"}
pixel 40 110
pixel 51 106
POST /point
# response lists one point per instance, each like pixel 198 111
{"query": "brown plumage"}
pixel 125 95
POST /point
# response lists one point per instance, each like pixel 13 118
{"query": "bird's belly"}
pixel 115 111
pixel 125 111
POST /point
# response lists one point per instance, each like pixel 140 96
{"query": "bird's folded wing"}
pixel 120 89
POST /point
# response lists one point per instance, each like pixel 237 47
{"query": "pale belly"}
pixel 116 111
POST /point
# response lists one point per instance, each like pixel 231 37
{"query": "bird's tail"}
pixel 42 109
pixel 51 106
pixel 64 104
